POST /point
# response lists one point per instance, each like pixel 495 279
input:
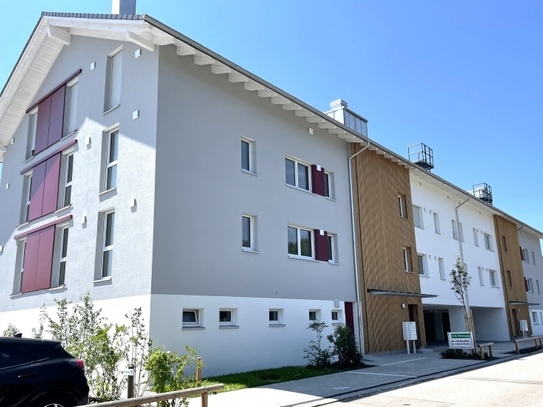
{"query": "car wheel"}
pixel 53 401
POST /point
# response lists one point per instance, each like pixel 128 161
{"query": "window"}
pixel 25 209
pixel 113 81
pixel 332 248
pixel 417 216
pixel 65 191
pixel 62 244
pixel 314 315
pixel 70 107
pixel 481 280
pixel 533 258
pixel 19 266
pixel 423 265
pixel 248 233
pixel 488 242
pixel 441 266
pixel 493 278
pixel 437 227
pixel 36 260
pixel 300 242
pixel 504 241
pixel 108 226
pixel 475 237
pixel 537 285
pixel 509 279
pixel 337 317
pixel 535 318
pixel 191 317
pixel 227 317
pixel 524 255
pixel 247 155
pixel 44 188
pixel 402 206
pixel 297 174
pixel 457 231
pixel 529 285
pixel 329 185
pixel 110 151
pixel 275 317
pixel 408 267
pixel 32 127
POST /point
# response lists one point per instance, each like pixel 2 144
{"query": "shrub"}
pixel 460 354
pixel 344 347
pixel 314 353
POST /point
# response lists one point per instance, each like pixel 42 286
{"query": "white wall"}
pixel 533 270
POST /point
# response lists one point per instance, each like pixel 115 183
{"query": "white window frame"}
pixel 314 315
pixel 417 217
pixel 530 285
pixel 32 129
pixel 252 233
pixel 60 255
pixel 198 318
pixel 113 80
pixel 250 156
pixel 402 205
pixel 407 259
pixel 422 260
pixel 441 266
pixel 275 317
pixel 488 242
pixel 105 219
pixel 110 162
pixel 475 237
pixel 538 288
pixel 25 202
pixel 299 254
pixel 19 265
pixel 332 248
pixel 481 278
pixel 329 185
pixel 70 107
pixel 233 317
pixel 297 164
pixel 437 227
pixel 337 316
pixel 66 182
pixel 535 318
pixel 493 276
pixel 526 256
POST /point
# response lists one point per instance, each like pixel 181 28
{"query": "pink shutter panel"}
pixel 30 263
pixel 36 191
pixel 317 177
pixel 56 118
pixel 321 245
pixel 45 258
pixel 50 191
pixel 42 127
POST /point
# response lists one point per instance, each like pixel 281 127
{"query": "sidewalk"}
pixel 390 370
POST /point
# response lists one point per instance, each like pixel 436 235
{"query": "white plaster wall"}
pixel 531 242
pixel 135 179
pixel 253 345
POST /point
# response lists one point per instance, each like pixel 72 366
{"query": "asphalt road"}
pixel 517 383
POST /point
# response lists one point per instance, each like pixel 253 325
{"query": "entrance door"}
pixel 430 326
pixel 446 323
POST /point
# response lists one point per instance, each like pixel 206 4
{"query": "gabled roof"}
pixel 55 30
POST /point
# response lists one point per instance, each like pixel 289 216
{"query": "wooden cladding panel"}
pixel 510 261
pixel 383 233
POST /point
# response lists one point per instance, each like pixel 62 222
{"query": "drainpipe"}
pixel 355 251
pixel 466 302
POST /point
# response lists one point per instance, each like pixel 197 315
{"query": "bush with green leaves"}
pixel 316 355
pixel 11 330
pixel 344 347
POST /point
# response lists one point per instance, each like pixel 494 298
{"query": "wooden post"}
pixel 199 374
pixel 204 399
pixel 482 352
pixel 516 345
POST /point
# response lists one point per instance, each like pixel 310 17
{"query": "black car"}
pixel 40 373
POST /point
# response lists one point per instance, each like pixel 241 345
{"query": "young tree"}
pixel 460 281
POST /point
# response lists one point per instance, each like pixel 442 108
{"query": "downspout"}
pixel 466 304
pixel 355 251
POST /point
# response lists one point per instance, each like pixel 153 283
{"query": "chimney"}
pixel 123 7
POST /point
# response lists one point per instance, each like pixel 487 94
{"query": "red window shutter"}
pixel 45 258
pixel 56 118
pixel 317 176
pixel 30 263
pixel 42 127
pixel 50 191
pixel 321 245
pixel 36 191
pixel 349 317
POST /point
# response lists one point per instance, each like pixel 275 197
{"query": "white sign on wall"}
pixel 409 329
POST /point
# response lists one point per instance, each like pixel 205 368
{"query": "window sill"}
pixel 292 256
pixel 64 208
pixel 69 134
pixel 113 108
pixel 335 263
pixel 277 325
pixel 249 172
pixel 107 191
pixel 424 275
pixel 247 250
pixel 494 286
pixel 300 189
pixel 103 281
pixel 330 198
pixel 337 323
pixel 228 326
pixel 58 288
pixel 194 327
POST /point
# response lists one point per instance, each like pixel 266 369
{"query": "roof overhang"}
pixel 393 293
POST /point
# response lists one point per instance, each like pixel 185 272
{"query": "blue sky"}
pixel 464 77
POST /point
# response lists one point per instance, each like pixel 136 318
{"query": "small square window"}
pixel 191 317
pixel 337 316
pixel 227 317
pixel 314 315
pixel 275 317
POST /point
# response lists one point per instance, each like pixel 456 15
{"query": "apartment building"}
pixel 532 267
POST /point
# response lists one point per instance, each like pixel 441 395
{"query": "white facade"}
pixel 440 246
pixel 532 266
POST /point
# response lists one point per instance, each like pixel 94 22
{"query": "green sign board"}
pixel 460 340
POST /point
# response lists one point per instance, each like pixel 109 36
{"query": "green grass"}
pixel 238 381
